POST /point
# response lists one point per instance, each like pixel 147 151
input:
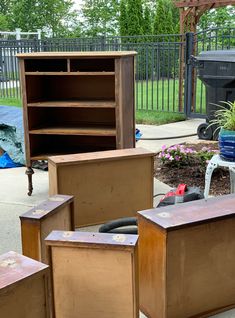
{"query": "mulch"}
pixel 194 174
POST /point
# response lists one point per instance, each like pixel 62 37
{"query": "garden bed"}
pixel 191 169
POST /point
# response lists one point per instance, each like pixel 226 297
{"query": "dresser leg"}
pixel 29 172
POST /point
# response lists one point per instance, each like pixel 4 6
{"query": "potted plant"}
pixel 225 120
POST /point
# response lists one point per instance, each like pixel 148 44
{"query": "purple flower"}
pixel 167 156
pixel 189 150
pixel 164 147
pixel 177 158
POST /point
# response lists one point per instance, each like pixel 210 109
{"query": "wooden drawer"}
pixel 94 274
pixel 57 213
pixel 187 259
pixel 106 185
pixel 24 291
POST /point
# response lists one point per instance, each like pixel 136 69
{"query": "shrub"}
pixel 180 155
pixel 205 155
pixel 177 155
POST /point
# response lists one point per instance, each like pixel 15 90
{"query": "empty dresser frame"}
pixel 23 287
pixel 106 185
pixel 57 213
pixel 94 274
pixel 187 259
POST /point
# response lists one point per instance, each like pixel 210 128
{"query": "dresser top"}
pixel 47 208
pixel 91 240
pixel 108 155
pixel 96 54
pixel 15 267
pixel 192 213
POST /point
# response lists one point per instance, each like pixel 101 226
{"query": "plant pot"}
pixel 227 144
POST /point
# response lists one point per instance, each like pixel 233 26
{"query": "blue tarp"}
pixel 12 133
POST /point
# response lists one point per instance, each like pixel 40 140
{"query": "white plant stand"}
pixel 216 162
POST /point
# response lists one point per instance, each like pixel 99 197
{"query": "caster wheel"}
pixel 205 132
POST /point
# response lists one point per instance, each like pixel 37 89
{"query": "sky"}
pixel 77 4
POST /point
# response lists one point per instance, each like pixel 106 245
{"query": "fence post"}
pixel 39 32
pixel 189 49
pixel 18 35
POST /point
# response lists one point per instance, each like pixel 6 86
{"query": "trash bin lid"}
pixel 217 56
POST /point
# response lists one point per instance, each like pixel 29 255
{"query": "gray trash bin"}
pixel 216 69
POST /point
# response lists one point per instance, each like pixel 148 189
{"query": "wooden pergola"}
pixel 192 10
pixel 190 13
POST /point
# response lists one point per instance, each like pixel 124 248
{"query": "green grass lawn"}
pixel 163 95
pixel 10 102
pixel 156 102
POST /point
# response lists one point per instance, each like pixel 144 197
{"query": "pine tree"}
pixel 147 25
pixel 163 23
pixel 123 19
pixel 134 18
pixel 163 27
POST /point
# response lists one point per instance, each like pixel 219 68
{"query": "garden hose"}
pixel 111 227
pixel 165 138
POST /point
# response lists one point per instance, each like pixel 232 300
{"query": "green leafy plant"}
pixel 177 155
pixel 180 156
pixel 225 116
pixel 205 154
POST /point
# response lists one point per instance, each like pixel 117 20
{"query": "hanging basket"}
pixel 227 144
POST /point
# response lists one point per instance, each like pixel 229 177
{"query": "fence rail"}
pixel 160 76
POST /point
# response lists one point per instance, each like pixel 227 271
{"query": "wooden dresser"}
pixel 24 287
pixel 106 185
pixel 94 274
pixel 187 259
pixel 76 102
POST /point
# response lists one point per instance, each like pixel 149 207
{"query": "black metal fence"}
pixel 161 79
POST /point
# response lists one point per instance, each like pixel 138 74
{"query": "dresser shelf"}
pixel 75 103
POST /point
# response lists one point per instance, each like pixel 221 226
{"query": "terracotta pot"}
pixel 227 144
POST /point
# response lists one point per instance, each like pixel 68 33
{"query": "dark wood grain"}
pixel 48 207
pixel 15 267
pixel 57 213
pixel 71 238
pixel 109 155
pixel 192 213
pixel 101 54
pixel 69 82
pixel 24 287
pixel 187 258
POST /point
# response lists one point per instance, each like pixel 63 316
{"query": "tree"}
pixel 100 17
pixel 134 17
pixel 220 17
pixel 163 27
pixel 51 15
pixel 163 23
pixel 123 19
pixel 3 23
pixel 147 25
pixel 5 6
